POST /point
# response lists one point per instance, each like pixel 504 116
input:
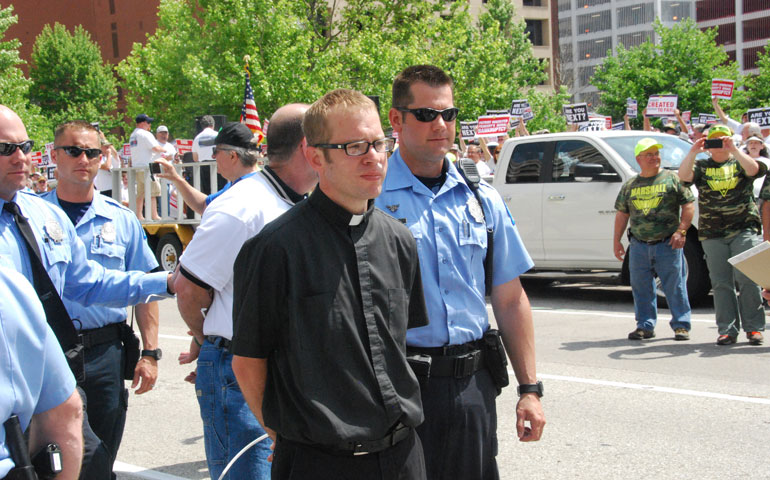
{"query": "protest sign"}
pixel 618 126
pixel 468 130
pixel 37 157
pixel 707 118
pixel 631 108
pixel 576 113
pixel 48 149
pixel 522 109
pixel 661 105
pixel 493 125
pixel 183 146
pixel 686 116
pixel 760 116
pixel 721 88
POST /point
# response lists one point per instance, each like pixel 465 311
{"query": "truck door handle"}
pixel 556 197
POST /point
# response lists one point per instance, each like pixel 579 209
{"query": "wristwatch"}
pixel 531 388
pixel 157 354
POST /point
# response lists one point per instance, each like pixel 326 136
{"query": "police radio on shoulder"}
pixel 536 388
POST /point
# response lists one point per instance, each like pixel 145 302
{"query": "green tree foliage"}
pixel 547 110
pixel 758 86
pixel 14 86
pixel 300 49
pixel 69 78
pixel 683 63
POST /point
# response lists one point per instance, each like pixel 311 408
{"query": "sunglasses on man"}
pixel 75 152
pixel 7 149
pixel 430 114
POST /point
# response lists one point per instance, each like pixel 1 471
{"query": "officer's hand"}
pixel 619 251
pixel 146 372
pixel 529 410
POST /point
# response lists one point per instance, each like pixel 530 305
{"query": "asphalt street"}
pixel 616 409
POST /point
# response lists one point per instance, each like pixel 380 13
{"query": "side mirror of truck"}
pixel 587 172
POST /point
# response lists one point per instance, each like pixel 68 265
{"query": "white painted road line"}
pixel 653 388
pixel 175 337
pixel 603 314
pixel 141 472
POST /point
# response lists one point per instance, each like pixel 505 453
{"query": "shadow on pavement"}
pixel 664 348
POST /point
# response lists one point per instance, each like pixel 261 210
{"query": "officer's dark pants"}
pixel 459 434
pixel 295 461
pixel 105 404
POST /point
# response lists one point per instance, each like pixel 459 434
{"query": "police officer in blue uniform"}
pixel 62 253
pixel 115 239
pixel 450 223
pixel 41 391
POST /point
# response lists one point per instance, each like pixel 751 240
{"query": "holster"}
pixel 420 365
pixel 131 347
pixel 496 361
pixel 77 362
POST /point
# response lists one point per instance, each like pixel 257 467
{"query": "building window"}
pixel 565 27
pixel 568 78
pixel 565 52
pixel 594 22
pixel 590 3
pixel 757 29
pixel 592 99
pixel 675 11
pixel 597 48
pixel 533 3
pixel 755 5
pixel 112 7
pixel 585 74
pixel 565 5
pixel 713 9
pixel 115 50
pixel 629 40
pixel 751 56
pixel 535 31
pixel 725 34
pixel 635 15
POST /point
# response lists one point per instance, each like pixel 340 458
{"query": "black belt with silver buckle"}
pixel 97 336
pixel 458 361
pixel 219 342
pixel 365 447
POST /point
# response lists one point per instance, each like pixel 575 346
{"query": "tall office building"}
pixel 590 30
pixel 744 28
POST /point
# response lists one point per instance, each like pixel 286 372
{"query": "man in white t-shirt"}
pixel 144 149
pixel 203 152
pixel 161 134
pixel 205 277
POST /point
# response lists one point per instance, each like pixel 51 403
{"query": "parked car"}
pixel 561 188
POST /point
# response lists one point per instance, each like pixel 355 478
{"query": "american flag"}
pixel 249 114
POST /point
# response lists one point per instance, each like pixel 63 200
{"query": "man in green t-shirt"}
pixel 728 225
pixel 652 201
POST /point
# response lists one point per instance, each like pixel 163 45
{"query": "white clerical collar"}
pixel 356 220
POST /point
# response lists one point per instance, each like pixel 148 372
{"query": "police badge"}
pixel 475 210
pixel 53 230
pixel 108 232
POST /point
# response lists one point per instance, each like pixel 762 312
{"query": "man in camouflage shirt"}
pixel 657 236
pixel 728 225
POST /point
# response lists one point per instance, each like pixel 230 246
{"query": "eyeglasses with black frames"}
pixel 356 149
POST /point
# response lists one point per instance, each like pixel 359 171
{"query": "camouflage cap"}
pixel 646 144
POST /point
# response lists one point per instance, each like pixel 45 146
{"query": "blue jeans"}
pixel 733 311
pixel 228 423
pixel 645 260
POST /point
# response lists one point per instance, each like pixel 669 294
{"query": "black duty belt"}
pixel 364 447
pixel 219 342
pixel 97 336
pixel 457 361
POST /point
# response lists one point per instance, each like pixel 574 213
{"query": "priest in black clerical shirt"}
pixel 323 298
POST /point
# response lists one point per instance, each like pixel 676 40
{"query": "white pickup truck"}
pixel 561 190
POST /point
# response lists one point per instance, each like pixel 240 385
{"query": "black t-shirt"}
pixel 328 304
pixel 74 211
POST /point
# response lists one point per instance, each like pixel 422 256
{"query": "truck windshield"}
pixel 671 155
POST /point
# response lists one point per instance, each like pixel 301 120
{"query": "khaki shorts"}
pixel 154 185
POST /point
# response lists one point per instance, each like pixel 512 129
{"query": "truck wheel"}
pixel 168 251
pixel 698 282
